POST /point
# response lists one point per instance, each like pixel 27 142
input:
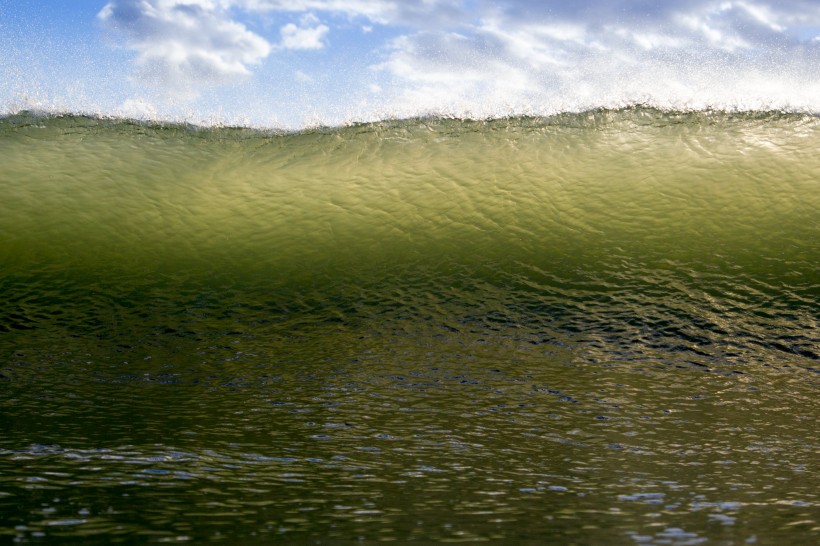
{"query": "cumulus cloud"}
pixel 308 35
pixel 185 43
pixel 698 53
pixel 458 55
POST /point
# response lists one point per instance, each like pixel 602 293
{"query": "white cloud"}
pixel 549 56
pixel 714 35
pixel 303 36
pixel 478 55
pixel 762 14
pixel 184 44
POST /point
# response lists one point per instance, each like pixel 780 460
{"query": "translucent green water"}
pixel 594 328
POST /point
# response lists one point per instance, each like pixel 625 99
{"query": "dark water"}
pixel 592 329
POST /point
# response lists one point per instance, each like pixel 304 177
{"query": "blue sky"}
pixel 299 62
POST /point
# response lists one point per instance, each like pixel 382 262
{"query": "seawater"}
pixel 584 329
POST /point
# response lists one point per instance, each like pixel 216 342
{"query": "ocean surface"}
pixel 590 328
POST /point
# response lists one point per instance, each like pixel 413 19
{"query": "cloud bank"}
pixel 486 57
pixel 521 55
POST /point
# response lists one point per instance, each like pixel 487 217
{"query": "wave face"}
pixel 523 317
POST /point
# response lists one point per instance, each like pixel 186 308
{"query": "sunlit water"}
pixel 595 329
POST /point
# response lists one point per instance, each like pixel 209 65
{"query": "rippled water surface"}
pixel 588 329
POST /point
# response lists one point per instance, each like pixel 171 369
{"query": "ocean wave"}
pixel 640 231
pixel 638 112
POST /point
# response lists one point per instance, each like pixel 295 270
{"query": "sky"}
pixel 296 63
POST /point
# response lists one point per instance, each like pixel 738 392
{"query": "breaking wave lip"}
pixel 594 116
